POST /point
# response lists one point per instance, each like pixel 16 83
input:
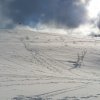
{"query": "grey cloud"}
pixel 69 13
pixel 98 22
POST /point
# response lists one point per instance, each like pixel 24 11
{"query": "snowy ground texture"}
pixel 42 66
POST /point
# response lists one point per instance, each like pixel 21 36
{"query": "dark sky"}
pixel 69 13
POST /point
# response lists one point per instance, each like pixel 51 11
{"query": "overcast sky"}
pixel 68 13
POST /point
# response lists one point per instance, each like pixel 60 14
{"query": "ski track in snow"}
pixel 40 66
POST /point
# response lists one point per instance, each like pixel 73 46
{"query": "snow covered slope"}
pixel 44 66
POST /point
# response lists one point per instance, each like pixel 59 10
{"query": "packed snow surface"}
pixel 44 66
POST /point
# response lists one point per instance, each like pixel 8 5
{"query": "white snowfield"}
pixel 44 66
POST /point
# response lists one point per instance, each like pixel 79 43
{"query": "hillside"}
pixel 43 66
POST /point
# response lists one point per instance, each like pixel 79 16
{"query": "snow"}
pixel 41 66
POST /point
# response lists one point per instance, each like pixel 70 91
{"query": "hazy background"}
pixel 60 14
